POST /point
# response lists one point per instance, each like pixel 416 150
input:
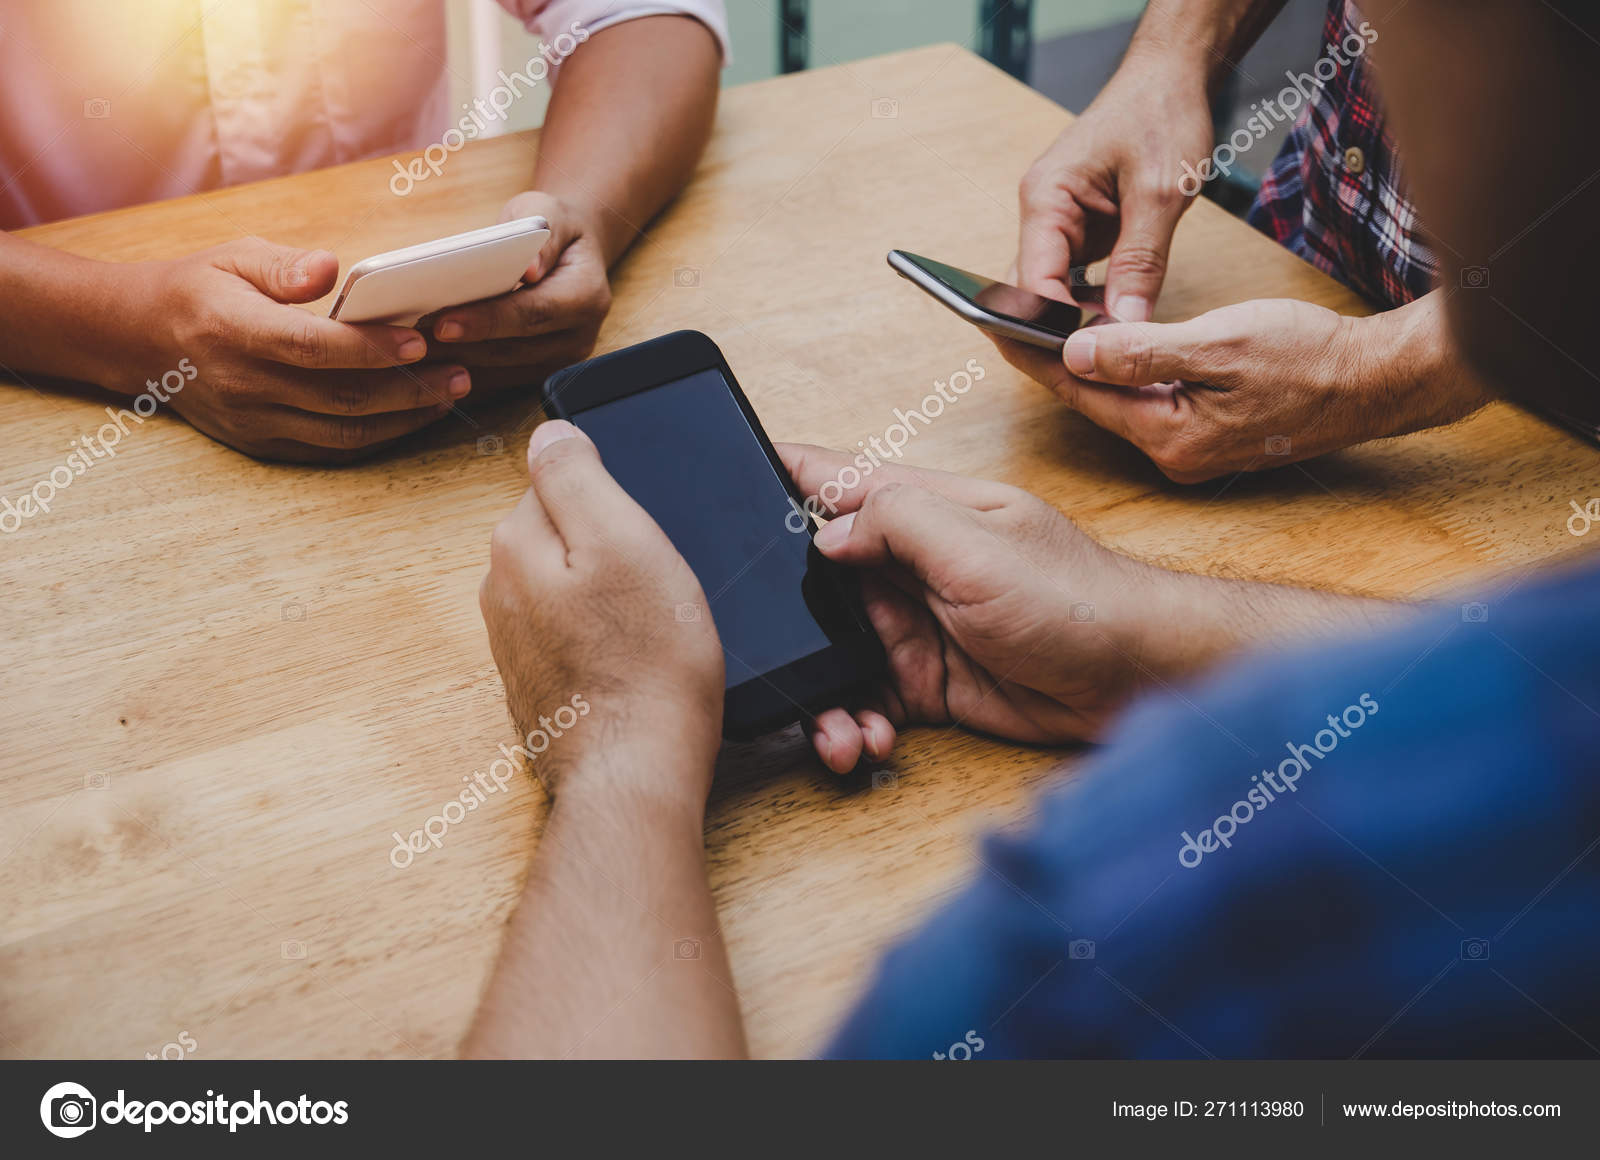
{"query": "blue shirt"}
pixel 1424 880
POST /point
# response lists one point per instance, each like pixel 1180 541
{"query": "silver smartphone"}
pixel 999 307
pixel 403 285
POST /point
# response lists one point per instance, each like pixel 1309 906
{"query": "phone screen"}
pixel 685 451
pixel 1004 299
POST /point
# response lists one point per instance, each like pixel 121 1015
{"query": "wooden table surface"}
pixel 227 683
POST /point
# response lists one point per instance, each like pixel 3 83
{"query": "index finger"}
pixel 1044 258
pixel 558 302
pixel 296 337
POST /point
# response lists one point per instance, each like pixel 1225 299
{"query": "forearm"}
pixel 1189 623
pixel 1200 40
pixel 614 950
pixel 59 310
pixel 629 118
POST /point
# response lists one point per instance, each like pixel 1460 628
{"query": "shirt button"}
pixel 1355 161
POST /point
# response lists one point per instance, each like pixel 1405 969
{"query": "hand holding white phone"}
pixel 401 286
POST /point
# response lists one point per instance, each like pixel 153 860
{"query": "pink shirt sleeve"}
pixel 547 19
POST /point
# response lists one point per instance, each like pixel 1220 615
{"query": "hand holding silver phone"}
pixel 998 307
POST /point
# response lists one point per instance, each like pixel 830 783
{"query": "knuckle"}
pixel 1135 355
pixel 1154 190
pixel 522 313
pixel 502 549
pixel 352 434
pixel 231 389
pixel 306 344
pixel 351 398
pixel 1139 258
pixel 1031 190
pixel 884 498
pixel 278 265
pixel 556 459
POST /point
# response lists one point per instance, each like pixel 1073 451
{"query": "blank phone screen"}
pixel 686 453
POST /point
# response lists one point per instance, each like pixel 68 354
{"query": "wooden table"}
pixel 226 683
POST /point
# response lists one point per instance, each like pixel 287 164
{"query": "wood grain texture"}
pixel 226 683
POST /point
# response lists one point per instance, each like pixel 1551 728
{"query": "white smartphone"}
pixel 401 286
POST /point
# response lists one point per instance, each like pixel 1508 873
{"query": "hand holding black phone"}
pixel 677 433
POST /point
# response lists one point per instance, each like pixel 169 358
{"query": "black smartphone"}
pixel 1000 307
pixel 678 434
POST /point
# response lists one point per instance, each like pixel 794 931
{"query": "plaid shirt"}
pixel 1335 194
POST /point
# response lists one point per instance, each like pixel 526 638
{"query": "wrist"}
pixel 123 351
pixel 72 314
pixel 1415 377
pixel 659 792
pixel 1179 624
pixel 1159 61
pixel 588 217
pixel 634 759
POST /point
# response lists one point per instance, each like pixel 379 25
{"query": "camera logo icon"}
pixel 1277 445
pixel 1474 277
pixel 686 276
pixel 686 612
pixel 67 1110
pixel 490 445
pixel 1080 948
pixel 883 779
pixel 1475 950
pixel 885 108
pixel 1081 612
pixel 292 949
pixel 97 109
pixel 1475 612
pixel 686 948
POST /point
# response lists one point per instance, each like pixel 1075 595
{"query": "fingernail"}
pixel 827 751
pixel 1079 352
pixel 449 331
pixel 1132 309
pixel 834 533
pixel 548 432
pixel 413 348
pixel 460 384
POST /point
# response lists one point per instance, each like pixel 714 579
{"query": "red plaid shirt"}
pixel 1335 194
